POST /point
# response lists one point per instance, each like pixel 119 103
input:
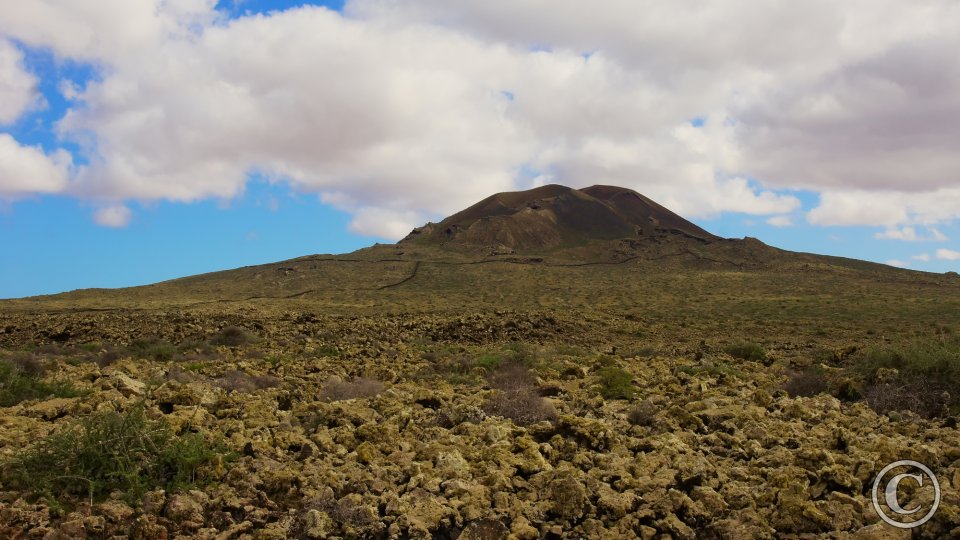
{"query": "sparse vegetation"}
pixel 21 381
pixel 746 351
pixel 517 397
pixel 112 451
pixel 231 336
pixel 234 380
pixel 360 387
pixel 806 383
pixel 919 376
pixel 512 376
pixel 152 349
pixel 108 358
pixel 524 407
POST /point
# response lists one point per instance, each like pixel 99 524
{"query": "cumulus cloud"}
pixel 780 221
pixel 948 255
pixel 17 86
pixel 403 111
pixel 884 208
pixel 898 263
pixel 910 234
pixel 26 170
pixel 925 257
pixel 372 221
pixel 116 216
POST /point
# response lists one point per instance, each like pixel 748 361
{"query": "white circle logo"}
pixel 918 475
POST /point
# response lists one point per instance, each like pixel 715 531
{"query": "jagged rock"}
pixel 568 495
pixel 186 508
pixel 51 409
pixel 317 524
pixel 127 386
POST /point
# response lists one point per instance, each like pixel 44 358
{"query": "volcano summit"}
pixel 555 216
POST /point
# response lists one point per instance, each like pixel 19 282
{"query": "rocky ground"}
pixel 389 428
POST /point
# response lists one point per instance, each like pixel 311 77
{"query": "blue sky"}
pixel 334 188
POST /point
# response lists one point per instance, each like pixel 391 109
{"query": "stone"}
pixel 128 386
pixel 317 524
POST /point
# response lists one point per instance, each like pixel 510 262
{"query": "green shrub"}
pixel 152 349
pixel 109 452
pixel 327 351
pixel 512 353
pixel 938 359
pixel 17 386
pixel 746 351
pixel 919 376
pixel 489 362
pixel 615 383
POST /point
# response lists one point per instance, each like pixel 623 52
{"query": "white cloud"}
pixel 370 221
pixel 27 169
pixel 17 87
pixel 921 257
pixel 886 208
pixel 410 110
pixel 780 221
pixel 116 216
pixel 909 234
pixel 897 263
pixel 948 255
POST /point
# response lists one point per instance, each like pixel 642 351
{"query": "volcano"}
pixel 555 216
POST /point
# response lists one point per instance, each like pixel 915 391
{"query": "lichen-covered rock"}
pixel 186 509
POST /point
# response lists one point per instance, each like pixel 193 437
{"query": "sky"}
pixel 144 140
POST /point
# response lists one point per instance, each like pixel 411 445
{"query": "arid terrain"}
pixel 548 364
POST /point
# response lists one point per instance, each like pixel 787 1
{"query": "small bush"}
pixel 746 351
pixel 153 349
pixel 642 414
pixel 239 381
pixel 92 346
pixel 28 364
pixel 358 388
pixel 112 451
pixel 489 362
pixel 806 383
pixel 182 375
pixel 523 406
pixel 197 349
pixel 108 358
pixel 615 383
pixel 925 397
pixel 512 376
pixel 231 336
pixel 17 386
pixel 49 348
